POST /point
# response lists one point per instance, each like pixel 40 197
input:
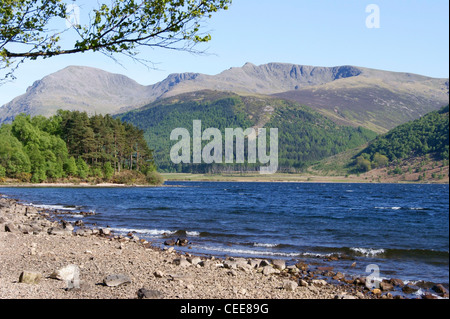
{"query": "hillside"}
pixel 428 135
pixel 349 95
pixel 304 135
pixel 415 151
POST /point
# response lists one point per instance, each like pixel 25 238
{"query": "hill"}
pixel 428 135
pixel 349 95
pixel 415 151
pixel 305 135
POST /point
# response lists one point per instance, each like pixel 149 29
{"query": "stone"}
pixel 302 266
pixel 397 282
pixel 105 231
pixel 182 262
pixel 194 260
pixel 410 289
pixel 30 277
pixel 144 293
pixel 116 280
pixel 10 228
pixel 386 286
pixel 440 289
pixel 289 285
pixel 170 242
pixel 57 231
pixel 182 242
pixel 158 274
pixel 339 276
pixel 269 270
pixel 303 283
pixel 279 264
pixel 254 263
pixel 68 273
pixel 319 282
pixel 376 292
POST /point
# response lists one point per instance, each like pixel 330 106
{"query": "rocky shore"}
pixel 45 257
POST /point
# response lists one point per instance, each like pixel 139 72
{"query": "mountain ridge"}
pixel 333 91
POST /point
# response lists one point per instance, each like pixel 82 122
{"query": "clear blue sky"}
pixel 413 37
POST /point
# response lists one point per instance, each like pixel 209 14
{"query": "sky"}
pixel 401 36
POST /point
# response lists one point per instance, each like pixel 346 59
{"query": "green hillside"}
pixel 305 135
pixel 427 136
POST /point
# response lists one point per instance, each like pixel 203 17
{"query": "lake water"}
pixel 402 228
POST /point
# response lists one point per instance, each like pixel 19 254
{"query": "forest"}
pixel 428 135
pixel 77 147
pixel 305 136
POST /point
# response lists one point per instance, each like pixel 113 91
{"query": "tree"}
pixel 123 26
pixel 380 160
pixel 363 164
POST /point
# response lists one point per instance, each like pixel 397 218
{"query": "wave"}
pixel 246 252
pixel 401 208
pixel 56 207
pixel 368 252
pixel 265 245
pixel 150 232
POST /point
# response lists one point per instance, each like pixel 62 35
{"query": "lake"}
pixel 401 228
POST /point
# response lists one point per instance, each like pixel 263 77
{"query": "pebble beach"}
pixel 43 257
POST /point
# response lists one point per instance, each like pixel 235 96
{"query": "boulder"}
pixel 386 286
pixel 279 264
pixel 410 289
pixel 440 289
pixel 30 277
pixel 397 282
pixel 116 280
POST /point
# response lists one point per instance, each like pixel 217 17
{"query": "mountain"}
pixel 77 88
pixel 305 135
pixel 375 99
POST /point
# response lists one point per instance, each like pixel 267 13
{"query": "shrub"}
pixel 154 178
pixel 24 177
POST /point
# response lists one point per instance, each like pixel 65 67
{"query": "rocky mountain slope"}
pixel 378 100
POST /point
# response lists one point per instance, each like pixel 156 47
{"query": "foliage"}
pixel 122 26
pixel 304 135
pixel 428 135
pixel 72 145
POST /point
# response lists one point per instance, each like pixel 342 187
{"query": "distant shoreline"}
pixel 285 178
pixel 185 177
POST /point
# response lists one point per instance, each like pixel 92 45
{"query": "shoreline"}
pixel 40 240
